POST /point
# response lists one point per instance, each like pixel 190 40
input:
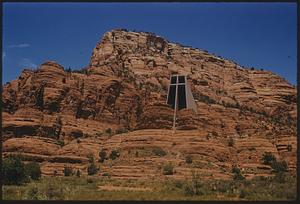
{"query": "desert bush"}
pixel 78 173
pixel 168 169
pixel 178 183
pixel 223 186
pixel 61 143
pixel 76 134
pixel 238 128
pixel 237 174
pixel 114 154
pixel 68 171
pixel 188 159
pixel 159 151
pixel 280 177
pixel 268 158
pixel 80 71
pixel 54 192
pixel 33 170
pixel 68 70
pixel 90 157
pixel 99 134
pixel 102 156
pixel 121 130
pixel 279 166
pixel 92 169
pixel 243 193
pixel 13 171
pixel 106 174
pixel 235 169
pixel 89 180
pixel 214 134
pixel 230 142
pixel 195 186
pixel 108 131
pixel 32 193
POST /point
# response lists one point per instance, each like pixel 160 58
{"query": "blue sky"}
pixel 261 35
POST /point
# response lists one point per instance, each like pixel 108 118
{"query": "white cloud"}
pixel 25 62
pixel 22 45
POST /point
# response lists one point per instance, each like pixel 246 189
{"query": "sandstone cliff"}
pixel 57 116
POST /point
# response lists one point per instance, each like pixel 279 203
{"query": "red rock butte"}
pixel 60 117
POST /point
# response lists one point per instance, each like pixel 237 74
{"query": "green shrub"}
pixel 223 186
pixel 168 169
pixel 32 193
pixel 268 158
pixel 81 71
pixel 13 171
pixel 89 180
pixel 235 170
pixel 243 193
pixel 114 154
pixel 121 130
pixel 108 131
pixel 33 170
pixel 237 174
pixel 188 159
pixel 91 158
pixel 99 134
pixel 195 186
pixel 68 171
pixel 54 192
pixel 76 134
pixel 159 152
pixel 280 177
pixel 279 166
pixel 106 174
pixel 102 156
pixel 230 142
pixel 92 169
pixel 178 184
pixel 61 143
pixel 68 70
pixel 188 190
pixel 215 134
pixel 78 173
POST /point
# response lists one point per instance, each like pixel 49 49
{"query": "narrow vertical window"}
pixel 171 96
pixel 181 97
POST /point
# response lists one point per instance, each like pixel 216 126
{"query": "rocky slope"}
pixel 60 117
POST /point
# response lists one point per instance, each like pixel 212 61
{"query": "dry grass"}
pixel 95 188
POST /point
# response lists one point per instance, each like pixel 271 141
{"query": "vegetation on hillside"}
pixel 15 172
pixel 89 188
